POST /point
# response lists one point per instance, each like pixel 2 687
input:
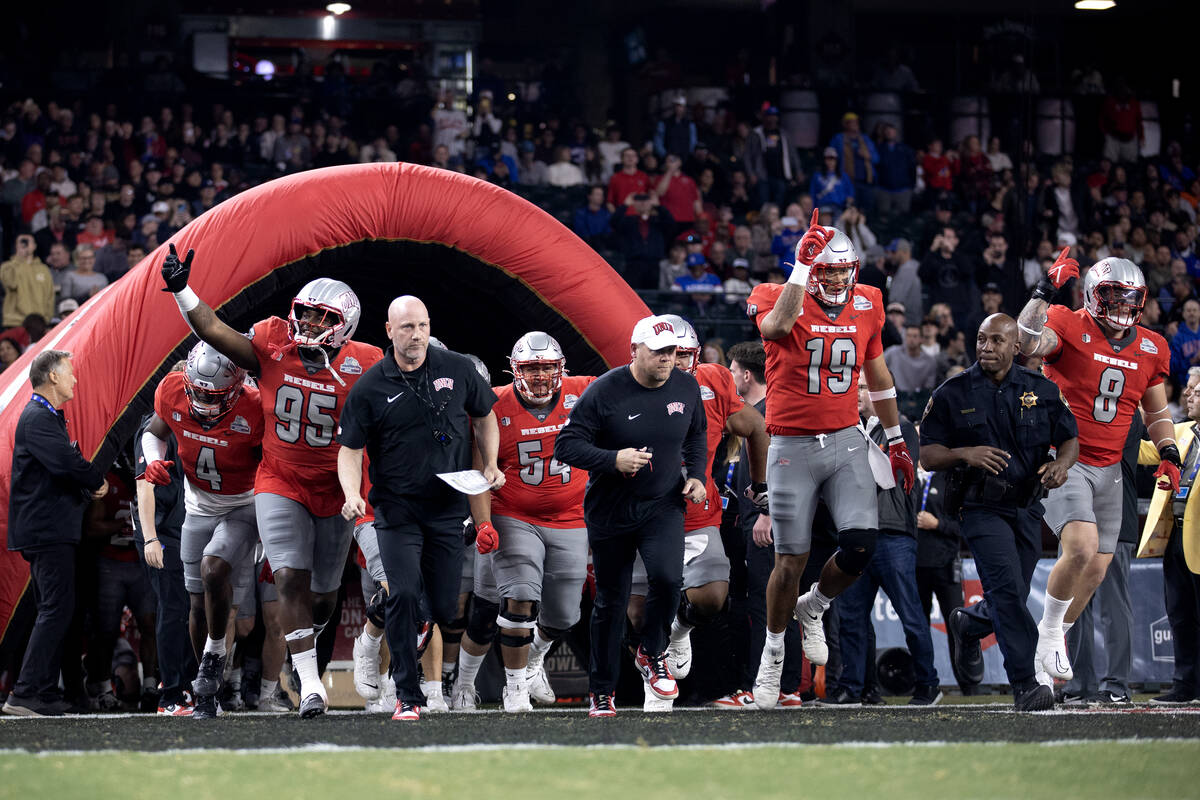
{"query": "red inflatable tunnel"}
pixel 489 265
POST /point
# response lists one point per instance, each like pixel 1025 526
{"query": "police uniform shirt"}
pixel 1023 415
pixel 416 424
pixel 616 412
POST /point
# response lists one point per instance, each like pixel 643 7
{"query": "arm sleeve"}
pixel 355 419
pixel 576 442
pixel 695 446
pixel 50 446
pixel 935 425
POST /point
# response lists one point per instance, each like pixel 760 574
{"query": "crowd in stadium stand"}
pixel 694 214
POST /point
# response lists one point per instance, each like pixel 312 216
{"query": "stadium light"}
pixel 1094 5
pixel 337 9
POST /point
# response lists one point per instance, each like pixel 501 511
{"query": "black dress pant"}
pixel 421 547
pixel 659 539
pixel 176 660
pixel 945 583
pixel 1181 591
pixel 52 575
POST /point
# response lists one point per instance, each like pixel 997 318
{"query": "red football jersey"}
pixel 369 515
pixel 301 410
pixel 1103 385
pixel 812 373
pixel 221 459
pixel 538 489
pixel 721 400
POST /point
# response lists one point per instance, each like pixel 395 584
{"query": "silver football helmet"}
pixel 834 270
pixel 212 382
pixel 340 312
pixel 480 367
pixel 1114 290
pixel 687 343
pixel 536 349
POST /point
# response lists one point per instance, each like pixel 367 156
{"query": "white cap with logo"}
pixel 656 332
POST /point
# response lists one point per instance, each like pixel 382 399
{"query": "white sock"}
pixel 267 688
pixel 515 678
pixel 448 668
pixel 680 630
pixel 1052 616
pixel 540 646
pixel 468 668
pixel 305 666
pixel 215 646
pixel 815 596
pixel 370 641
pixel 431 689
pixel 235 678
pixel 775 640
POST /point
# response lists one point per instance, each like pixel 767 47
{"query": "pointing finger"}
pixel 187 262
pixel 172 246
pixel 1065 252
pixel 815 217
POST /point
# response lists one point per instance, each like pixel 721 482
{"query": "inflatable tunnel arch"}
pixel 489 265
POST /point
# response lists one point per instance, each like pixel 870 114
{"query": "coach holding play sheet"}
pixel 632 430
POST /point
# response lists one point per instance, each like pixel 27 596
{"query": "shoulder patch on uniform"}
pixel 707 393
pixel 862 304
pixel 928 406
pixel 239 425
pixel 505 422
pixel 175 415
pixel 752 310
pixel 1149 346
pixel 350 366
pixel 570 400
pixel 1086 338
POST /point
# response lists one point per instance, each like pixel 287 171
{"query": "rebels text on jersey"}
pixel 219 460
pixel 539 489
pixel 1103 383
pixel 721 400
pixel 302 409
pixel 812 372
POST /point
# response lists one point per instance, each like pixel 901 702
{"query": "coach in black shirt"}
pixel 415 412
pixel 52 484
pixel 631 430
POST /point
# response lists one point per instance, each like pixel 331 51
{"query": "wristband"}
pixel 883 394
pixel 1031 331
pixel 1045 289
pixel 150 541
pixel 186 300
pixel 893 433
pixel 799 276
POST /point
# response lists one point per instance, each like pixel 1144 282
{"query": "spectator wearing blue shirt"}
pixel 858 157
pixel 831 186
pixel 897 175
pixel 1185 345
pixel 697 279
pixel 676 133
pixel 593 221
pixel 783 246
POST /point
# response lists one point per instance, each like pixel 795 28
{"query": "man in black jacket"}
pixel 52 484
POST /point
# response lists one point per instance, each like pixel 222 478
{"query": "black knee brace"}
pixel 553 634
pixel 855 548
pixel 516 630
pixel 376 608
pixel 517 638
pixel 696 617
pixel 481 626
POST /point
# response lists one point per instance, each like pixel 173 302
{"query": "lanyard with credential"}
pixel 925 494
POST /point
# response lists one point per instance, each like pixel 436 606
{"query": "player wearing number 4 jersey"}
pixel 306 365
pixel 819 330
pixel 1106 365
pixel 218 425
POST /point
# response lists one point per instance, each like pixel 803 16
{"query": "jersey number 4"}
pixel 534 466
pixel 842 360
pixel 1112 384
pixel 291 412
pixel 206 468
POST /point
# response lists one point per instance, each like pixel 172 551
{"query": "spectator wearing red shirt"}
pixel 1121 124
pixel 627 182
pixel 35 201
pixel 94 233
pixel 677 193
pixel 940 169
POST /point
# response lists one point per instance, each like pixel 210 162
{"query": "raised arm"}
pixel 1033 337
pixel 200 316
pixel 779 320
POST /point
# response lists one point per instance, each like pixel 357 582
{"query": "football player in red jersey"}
pixel 819 330
pixel 217 421
pixel 705 567
pixel 305 366
pixel 1106 365
pixel 540 564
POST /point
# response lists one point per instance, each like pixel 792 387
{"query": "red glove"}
pixel 159 472
pixel 589 583
pixel 267 575
pixel 486 538
pixel 902 462
pixel 813 241
pixel 1168 468
pixel 1064 269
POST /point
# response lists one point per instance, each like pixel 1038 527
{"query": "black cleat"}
pixel 1176 697
pixel 209 675
pixel 1035 698
pixel 206 707
pixel 312 706
pixel 926 696
pixel 968 656
pixel 871 697
pixel 840 699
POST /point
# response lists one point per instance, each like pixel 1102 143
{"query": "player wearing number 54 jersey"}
pixel 306 365
pixel 819 330
pixel 1106 365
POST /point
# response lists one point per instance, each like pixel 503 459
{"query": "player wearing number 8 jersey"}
pixel 1106 365
pixel 305 366
pixel 819 330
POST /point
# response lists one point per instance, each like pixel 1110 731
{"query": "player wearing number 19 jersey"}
pixel 1106 365
pixel 819 330
pixel 305 366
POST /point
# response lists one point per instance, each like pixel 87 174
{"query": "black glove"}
pixel 1045 289
pixel 175 272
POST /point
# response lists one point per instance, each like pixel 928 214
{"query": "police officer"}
pixel 415 412
pixel 992 426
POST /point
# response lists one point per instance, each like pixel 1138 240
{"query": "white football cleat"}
pixel 366 669
pixel 463 698
pixel 653 703
pixel 815 649
pixel 679 656
pixel 386 702
pixel 540 690
pixel 516 700
pixel 434 701
pixel 1051 655
pixel 770 673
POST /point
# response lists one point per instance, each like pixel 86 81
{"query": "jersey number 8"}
pixel 1112 384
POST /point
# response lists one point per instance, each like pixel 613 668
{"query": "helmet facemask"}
pixel 209 404
pixel 1117 304
pixel 314 330
pixel 687 359
pixel 831 283
pixel 537 381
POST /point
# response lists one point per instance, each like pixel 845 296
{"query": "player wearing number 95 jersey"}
pixel 305 365
pixel 1106 365
pixel 819 330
